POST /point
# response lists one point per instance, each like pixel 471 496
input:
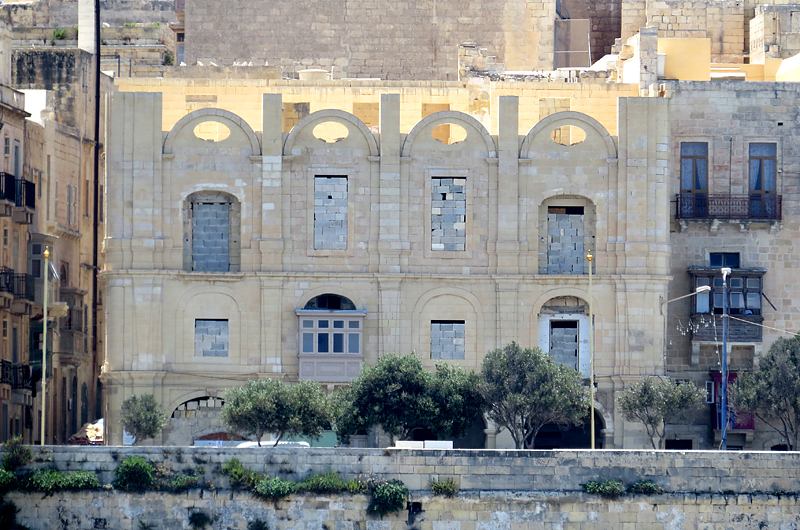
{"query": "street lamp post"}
pixel 44 339
pixel 591 354
pixel 724 405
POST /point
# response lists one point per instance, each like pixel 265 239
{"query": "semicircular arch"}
pixel 449 116
pixel 568 117
pixel 199 290
pixel 185 398
pixel 423 300
pixel 556 293
pixel 337 290
pixel 345 118
pixel 226 117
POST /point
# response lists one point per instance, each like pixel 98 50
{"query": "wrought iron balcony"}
pixel 735 207
pixel 24 287
pixel 21 377
pixel 25 196
pixel 8 188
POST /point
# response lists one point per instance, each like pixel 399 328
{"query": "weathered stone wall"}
pixel 412 40
pixel 64 13
pixel 527 490
pixel 729 117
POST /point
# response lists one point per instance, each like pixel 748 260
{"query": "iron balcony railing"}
pixel 8 189
pixel 73 321
pixel 25 196
pixel 15 375
pixel 19 285
pixel 753 206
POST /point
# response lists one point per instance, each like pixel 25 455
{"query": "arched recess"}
pixel 187 124
pixel 470 124
pixel 192 418
pixel 353 124
pixel 448 327
pixel 209 315
pixel 569 117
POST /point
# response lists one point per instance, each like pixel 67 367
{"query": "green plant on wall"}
pixel 134 474
pixel 59 34
pixel 447 487
pixel 17 454
pixel 388 497
pixel 608 489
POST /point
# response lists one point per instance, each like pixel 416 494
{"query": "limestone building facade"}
pixel 305 254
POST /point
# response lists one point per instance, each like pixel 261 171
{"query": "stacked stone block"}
pixel 447 340
pixel 564 345
pixel 448 214
pixel 210 237
pixel 211 338
pixel 565 248
pixel 330 213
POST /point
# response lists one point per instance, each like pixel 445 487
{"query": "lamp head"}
pixel 703 289
pixel 725 272
pixel 589 256
pixel 46 252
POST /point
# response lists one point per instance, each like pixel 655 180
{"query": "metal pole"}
pixel 591 353
pixel 44 339
pixel 724 407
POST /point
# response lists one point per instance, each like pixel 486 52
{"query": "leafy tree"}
pixel 526 389
pixel 772 393
pixel 259 407
pixel 657 403
pixel 399 395
pixel 142 417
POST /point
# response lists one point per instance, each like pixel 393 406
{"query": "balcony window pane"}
pixel 686 173
pixel 338 324
pixel 353 343
pixel 703 300
pixel 755 174
pixel 736 283
pixel 763 150
pixel 308 343
pixel 718 301
pixel 769 175
pixel 307 324
pixel 753 283
pixel 701 174
pixel 323 324
pixel 338 343
pixel 322 343
pixel 353 324
pixel 737 301
pixel 694 149
pixel 754 300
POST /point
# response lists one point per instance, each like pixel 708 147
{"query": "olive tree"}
pixel 772 392
pixel 399 395
pixel 143 417
pixel 260 407
pixel 657 402
pixel 526 389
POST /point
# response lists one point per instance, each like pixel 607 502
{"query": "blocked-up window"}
pixel 565 240
pixel 448 339
pixel 210 236
pixel 330 213
pixel 448 214
pixel 564 342
pixel 210 338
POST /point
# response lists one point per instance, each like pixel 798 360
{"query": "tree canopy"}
pixel 399 395
pixel 260 407
pixel 657 403
pixel 772 392
pixel 526 389
pixel 142 416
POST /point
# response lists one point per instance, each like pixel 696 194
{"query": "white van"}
pixel 272 444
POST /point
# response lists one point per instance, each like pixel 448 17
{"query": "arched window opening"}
pixel 330 302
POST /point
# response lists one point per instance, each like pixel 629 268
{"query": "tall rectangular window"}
pixel 763 174
pixel 210 338
pixel 448 339
pixel 564 342
pixel 448 214
pixel 330 213
pixel 211 237
pixel 694 179
pixel 565 240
